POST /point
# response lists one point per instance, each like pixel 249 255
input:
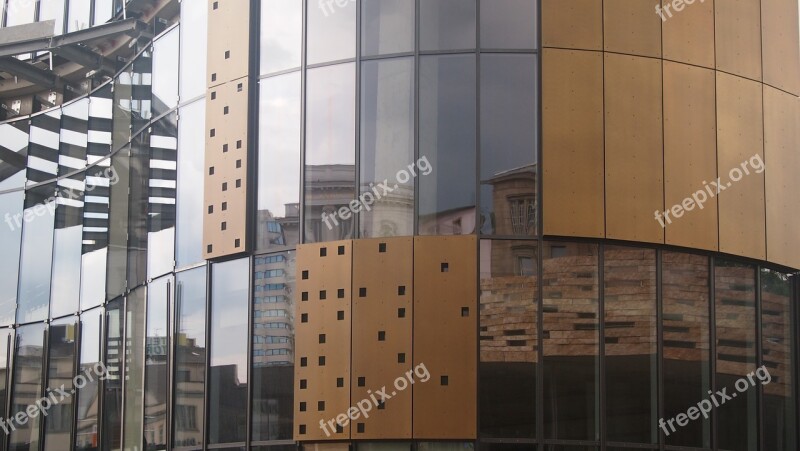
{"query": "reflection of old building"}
pixel 330 187
pixel 190 382
pixel 513 203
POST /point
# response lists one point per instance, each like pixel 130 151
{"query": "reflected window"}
pixel 447 24
pixel 387 26
pixel 281 35
pixel 165 71
pixel 571 341
pixel 447 114
pixel 508 24
pixel 161 194
pixel 62 351
pixel 87 397
pixel 27 389
pixel 156 361
pixel 37 252
pixel 279 162
pixel 331 33
pixel 387 147
pixel 330 153
pixel 191 160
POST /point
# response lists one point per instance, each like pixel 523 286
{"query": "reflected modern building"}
pixel 399 225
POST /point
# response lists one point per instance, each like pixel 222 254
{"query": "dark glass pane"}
pixel 135 308
pixel 165 73
pixel 88 396
pixel 37 252
pixel 118 225
pixel 331 33
pixel 227 385
pixel 508 144
pixel 141 90
pixel 447 24
pixel 509 344
pixel 508 24
pixel 161 193
pixel 137 209
pixel 387 148
pixel 735 301
pixel 6 340
pixel 279 162
pixel 27 386
pixel 11 207
pixel 43 148
pixel 273 346
pixel 194 37
pixel 79 15
pixel 571 341
pixel 778 374
pixel 630 344
pixel 159 295
pixel 330 152
pixel 190 358
pixel 62 349
pixel 14 141
pixel 281 35
pixel 687 367
pixel 112 398
pixel 447 113
pixel 191 145
pixel 387 26
pixel 99 179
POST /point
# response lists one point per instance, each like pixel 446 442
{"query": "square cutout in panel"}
pixel 445 267
pixel 321 338
pixel 304 318
pixel 211 170
pixel 362 292
pixel 303 361
pixel 238 183
pixel 321 406
pixel 323 295
pixel 210 209
pixel 362 381
pixel 401 290
pixel 444 380
pixel 303 384
pixel 224 148
pixel 305 275
pixel 401 313
pixel 323 251
pixel 304 296
pixel 401 357
pixel 340 315
pixel 381 335
pixel 302 406
pixel 340 382
pixel 224 206
pixel 382 247
pixel 360 428
pixel 341 250
pixel 464 311
pixel 239 144
pixel 302 429
pixel 321 360
pixel 340 293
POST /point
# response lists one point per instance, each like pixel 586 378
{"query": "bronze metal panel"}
pixel 780 44
pixel 317 316
pixel 225 224
pixel 739 138
pixel 632 27
pixel 228 40
pixel 572 127
pixel 573 24
pixel 383 268
pixel 690 154
pixel 689 34
pixel 738 37
pixel 634 148
pixel 445 336
pixel 781 155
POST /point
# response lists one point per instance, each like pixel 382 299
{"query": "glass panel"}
pixel 735 300
pixel 508 24
pixel 227 385
pixel 27 387
pixel 112 398
pixel 447 113
pixel 330 152
pixel 779 348
pixel 387 148
pixel 11 208
pixel 137 209
pixel 631 344
pixel 95 233
pixel 6 338
pixel 279 162
pixel 141 90
pixel 51 10
pixel 134 368
pixel 509 344
pixel 88 396
pixel 331 31
pixel 20 12
pixel 122 110
pixel 67 245
pixel 79 15
pixel 190 357
pixel 687 367
pixel 281 35
pixel 194 37
pixel 118 226
pixel 191 160
pixel 447 24
pixel 165 71
pixel 571 341
pixel 103 10
pixel 387 26
pixel 156 374
pixel 37 252
pixel 43 149
pixel 13 154
pixel 273 347
pixel 161 193
pixel 508 144
pixel 379 446
pixel 62 349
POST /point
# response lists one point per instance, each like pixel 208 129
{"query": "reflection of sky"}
pixel 66 269
pixel 279 153
pixel 229 315
pixel 165 67
pixel 194 37
pixel 330 115
pixel 191 160
pixel 331 37
pixel 90 336
pixel 281 25
pixel 37 251
pixel 191 293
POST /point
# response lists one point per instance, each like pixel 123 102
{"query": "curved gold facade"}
pixel 642 111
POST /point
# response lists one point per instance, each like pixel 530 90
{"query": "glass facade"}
pixel 424 111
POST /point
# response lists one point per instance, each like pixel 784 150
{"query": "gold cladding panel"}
pixel 328 274
pixel 386 276
pixel 689 34
pixel 228 41
pixel 634 148
pixel 782 158
pixel 572 124
pixel 445 336
pixel 780 44
pixel 739 138
pixel 738 37
pixel 572 24
pixel 690 154
pixel 632 27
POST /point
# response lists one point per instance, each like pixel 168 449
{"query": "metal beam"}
pixel 28 72
pixel 87 58
pixel 131 27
